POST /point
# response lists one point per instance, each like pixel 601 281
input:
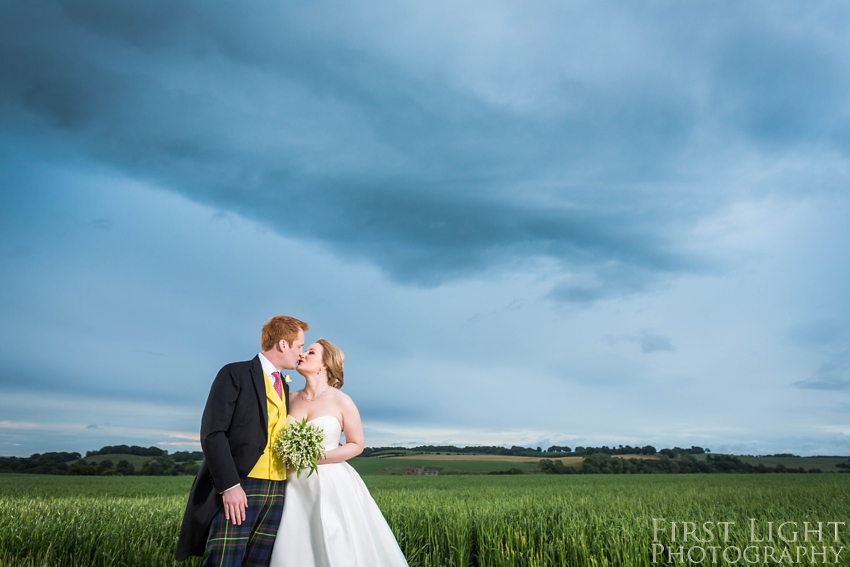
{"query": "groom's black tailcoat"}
pixel 234 433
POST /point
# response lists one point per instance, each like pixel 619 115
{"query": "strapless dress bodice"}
pixel 330 426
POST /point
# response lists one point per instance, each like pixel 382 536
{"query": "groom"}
pixel 236 500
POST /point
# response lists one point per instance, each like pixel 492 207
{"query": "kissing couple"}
pixel 236 511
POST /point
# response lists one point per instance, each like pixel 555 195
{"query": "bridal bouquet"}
pixel 299 446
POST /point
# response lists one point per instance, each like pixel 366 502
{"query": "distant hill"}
pixel 128 450
pixel 517 451
pixel 601 463
pixel 152 461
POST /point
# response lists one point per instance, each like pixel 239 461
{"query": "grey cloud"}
pixel 221 216
pixel 827 336
pixel 649 341
pixel 613 279
pixel 290 116
pixel 834 374
pixel 100 224
pixel 149 352
pixel 19 252
pixel 394 412
pixel 426 237
pixel 780 87
pixel 816 333
pixel 824 382
pixel 101 384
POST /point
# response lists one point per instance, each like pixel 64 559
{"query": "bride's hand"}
pixel 325 461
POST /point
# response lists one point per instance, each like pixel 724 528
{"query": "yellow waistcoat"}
pixel 269 466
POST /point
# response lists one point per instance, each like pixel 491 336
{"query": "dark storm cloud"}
pixel 318 121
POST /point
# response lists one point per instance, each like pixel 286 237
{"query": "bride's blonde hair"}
pixel 334 359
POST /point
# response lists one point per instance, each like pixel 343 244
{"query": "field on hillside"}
pixel 492 458
pixel 460 463
pixel 826 464
pixel 524 520
pixel 464 463
pixel 446 465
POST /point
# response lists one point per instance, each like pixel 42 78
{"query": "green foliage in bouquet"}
pixel 299 446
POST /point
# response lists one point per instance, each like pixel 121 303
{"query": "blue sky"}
pixel 557 223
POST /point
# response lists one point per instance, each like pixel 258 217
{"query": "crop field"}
pixel 506 458
pixel 492 458
pixel 460 465
pixel 522 520
pixel 826 464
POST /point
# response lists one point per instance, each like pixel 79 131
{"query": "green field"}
pixel 439 521
pixel 826 464
pixel 390 466
pixel 463 463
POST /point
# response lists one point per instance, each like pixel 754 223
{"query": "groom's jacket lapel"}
pixel 259 380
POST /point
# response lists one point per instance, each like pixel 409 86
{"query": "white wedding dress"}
pixel 330 519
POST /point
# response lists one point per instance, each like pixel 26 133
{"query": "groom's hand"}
pixel 235 503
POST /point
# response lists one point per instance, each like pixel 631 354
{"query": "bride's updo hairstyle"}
pixel 334 359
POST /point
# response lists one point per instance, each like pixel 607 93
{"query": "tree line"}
pixel 46 463
pixel 160 462
pixel 128 450
pixel 602 463
pixel 554 450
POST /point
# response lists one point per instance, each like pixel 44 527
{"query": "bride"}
pixel 329 518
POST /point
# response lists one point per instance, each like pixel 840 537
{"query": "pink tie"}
pixel 278 386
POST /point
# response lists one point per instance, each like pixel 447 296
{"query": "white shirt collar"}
pixel 268 368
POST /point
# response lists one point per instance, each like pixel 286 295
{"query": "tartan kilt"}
pixel 248 545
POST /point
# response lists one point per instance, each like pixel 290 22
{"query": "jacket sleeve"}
pixel 215 423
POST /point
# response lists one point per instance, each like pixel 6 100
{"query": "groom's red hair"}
pixel 281 328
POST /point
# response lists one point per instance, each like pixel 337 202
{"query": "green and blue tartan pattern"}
pixel 248 545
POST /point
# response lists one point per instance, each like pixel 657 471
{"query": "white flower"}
pixel 286 378
pixel 299 446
